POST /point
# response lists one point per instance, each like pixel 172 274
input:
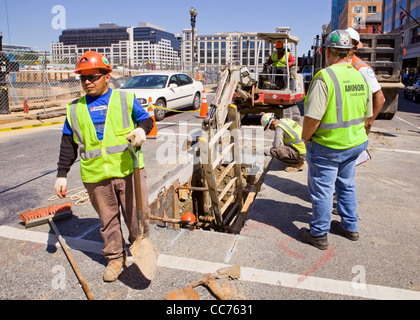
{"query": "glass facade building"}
pixel 337 7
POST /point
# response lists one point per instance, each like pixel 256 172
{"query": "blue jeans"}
pixel 329 170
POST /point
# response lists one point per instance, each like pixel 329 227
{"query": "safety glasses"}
pixel 91 77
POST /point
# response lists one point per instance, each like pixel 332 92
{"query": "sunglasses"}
pixel 91 77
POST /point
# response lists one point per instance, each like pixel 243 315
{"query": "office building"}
pixel 362 15
pixel 146 46
pixel 337 7
pixel 403 16
pixel 212 51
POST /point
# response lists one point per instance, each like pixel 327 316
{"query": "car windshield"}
pixel 146 82
pixel 307 70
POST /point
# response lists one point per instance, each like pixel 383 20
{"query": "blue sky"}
pixel 30 21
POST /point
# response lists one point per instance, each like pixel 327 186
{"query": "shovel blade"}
pixel 183 294
pixel 145 256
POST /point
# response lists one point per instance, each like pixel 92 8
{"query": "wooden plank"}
pixel 226 189
pixel 218 135
pixel 234 116
pixel 210 178
pixel 225 172
pixel 222 155
pixel 231 214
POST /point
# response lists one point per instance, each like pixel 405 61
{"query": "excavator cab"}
pixel 286 85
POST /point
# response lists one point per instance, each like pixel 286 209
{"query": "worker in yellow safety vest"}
pixel 337 106
pixel 279 60
pixel 97 127
pixel 288 146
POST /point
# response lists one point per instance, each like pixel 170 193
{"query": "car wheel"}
pixel 196 102
pixel 414 97
pixel 160 113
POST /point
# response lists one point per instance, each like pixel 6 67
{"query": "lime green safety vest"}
pixel 294 130
pixel 279 63
pixel 342 126
pixel 110 157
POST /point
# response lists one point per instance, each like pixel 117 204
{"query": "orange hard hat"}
pixel 188 216
pixel 92 60
pixel 279 45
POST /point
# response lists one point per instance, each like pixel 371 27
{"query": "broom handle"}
pixel 71 260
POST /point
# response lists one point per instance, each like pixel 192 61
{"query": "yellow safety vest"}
pixel 110 157
pixel 342 126
pixel 294 130
pixel 279 63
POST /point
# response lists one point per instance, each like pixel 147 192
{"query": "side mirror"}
pixel 173 85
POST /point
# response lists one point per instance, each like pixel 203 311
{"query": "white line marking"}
pixel 408 122
pixel 289 280
pixel 398 150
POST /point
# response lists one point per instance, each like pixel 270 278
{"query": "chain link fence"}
pixel 39 81
pixel 30 80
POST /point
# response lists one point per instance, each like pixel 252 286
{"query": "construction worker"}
pixel 98 125
pixel 279 60
pixel 378 98
pixel 337 106
pixel 288 146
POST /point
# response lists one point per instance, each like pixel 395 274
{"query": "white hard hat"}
pixel 267 119
pixel 354 35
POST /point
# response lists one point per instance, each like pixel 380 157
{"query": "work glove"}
pixel 137 137
pixel 61 187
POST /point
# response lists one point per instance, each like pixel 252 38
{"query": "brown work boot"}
pixel 320 242
pixel 113 270
pixel 295 167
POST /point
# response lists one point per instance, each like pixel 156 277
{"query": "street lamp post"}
pixel 193 14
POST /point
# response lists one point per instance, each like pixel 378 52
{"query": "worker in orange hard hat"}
pixel 98 125
pixel 279 60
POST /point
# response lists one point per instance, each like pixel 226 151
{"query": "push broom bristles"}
pixel 36 217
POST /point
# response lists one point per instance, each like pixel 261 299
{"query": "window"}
pixel 358 9
pixel 371 9
pixel 185 79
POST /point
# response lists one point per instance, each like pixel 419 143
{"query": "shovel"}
pixel 143 251
pixel 209 280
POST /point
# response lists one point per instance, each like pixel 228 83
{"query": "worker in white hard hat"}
pixel 378 98
pixel 337 106
pixel 288 146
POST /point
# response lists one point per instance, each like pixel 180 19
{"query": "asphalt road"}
pixel 34 267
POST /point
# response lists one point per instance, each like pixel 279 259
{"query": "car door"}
pixel 188 90
pixel 174 93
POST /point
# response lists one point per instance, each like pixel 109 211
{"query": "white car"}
pixel 170 90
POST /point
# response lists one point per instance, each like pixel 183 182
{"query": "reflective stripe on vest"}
pixel 296 137
pixel 339 106
pixel 110 150
pixel 358 63
pixel 279 63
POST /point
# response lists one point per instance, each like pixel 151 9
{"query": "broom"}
pixel 36 217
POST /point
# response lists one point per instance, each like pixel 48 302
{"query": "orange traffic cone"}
pixel 25 106
pixel 204 107
pixel 153 134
